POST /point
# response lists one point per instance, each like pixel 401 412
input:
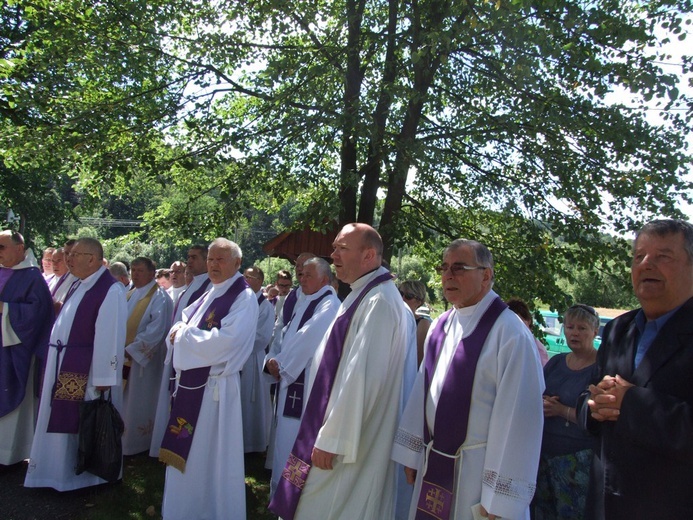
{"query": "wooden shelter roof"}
pixel 290 244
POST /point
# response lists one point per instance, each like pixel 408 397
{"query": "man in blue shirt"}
pixel 641 406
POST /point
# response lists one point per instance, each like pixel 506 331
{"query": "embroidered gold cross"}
pixel 435 500
pixel 294 471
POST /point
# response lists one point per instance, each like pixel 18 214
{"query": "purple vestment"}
pixel 290 486
pixel 185 408
pixel 31 315
pixel 436 496
pixel 72 374
pixel 293 406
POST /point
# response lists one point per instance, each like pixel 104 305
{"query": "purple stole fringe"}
pixel 452 413
pixel 285 500
pixel 177 441
pixel 72 374
pixel 293 405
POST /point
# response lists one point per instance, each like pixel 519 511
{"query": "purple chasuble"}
pixel 437 487
pixel 289 305
pixel 293 406
pixel 295 474
pixel 72 374
pixel 30 314
pixel 177 441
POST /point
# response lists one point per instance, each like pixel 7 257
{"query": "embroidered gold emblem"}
pixel 435 501
pixel 183 430
pixel 71 386
pixel 296 471
pixel 210 321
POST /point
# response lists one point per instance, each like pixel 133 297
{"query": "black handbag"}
pixel 100 445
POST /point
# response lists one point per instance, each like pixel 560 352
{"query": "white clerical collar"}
pixel 318 293
pixel 227 283
pixel 139 292
pixel 481 304
pixel 361 282
pixel 91 279
pixel 26 263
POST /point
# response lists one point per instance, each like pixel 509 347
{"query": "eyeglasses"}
pixel 586 308
pixel 408 295
pixel 251 276
pixel 72 254
pixel 283 285
pixel 458 268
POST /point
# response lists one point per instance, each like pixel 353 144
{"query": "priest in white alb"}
pixel 149 319
pixel 200 284
pixel 85 358
pixel 339 466
pixel 471 432
pixel 203 442
pixel 255 389
pixel 289 359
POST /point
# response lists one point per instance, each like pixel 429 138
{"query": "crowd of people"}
pixel 365 408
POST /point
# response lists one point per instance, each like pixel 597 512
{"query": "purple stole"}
pixel 177 441
pixel 289 305
pixel 295 474
pixel 194 296
pixel 60 282
pixel 293 405
pixel 72 374
pixel 452 414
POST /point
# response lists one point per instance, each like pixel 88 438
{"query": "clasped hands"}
pixel 606 398
pixel 174 330
pixel 272 367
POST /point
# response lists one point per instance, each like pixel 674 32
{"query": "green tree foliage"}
pixel 519 123
pixel 478 104
pixel 84 95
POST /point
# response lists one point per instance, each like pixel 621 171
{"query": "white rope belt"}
pixel 211 380
pixel 457 456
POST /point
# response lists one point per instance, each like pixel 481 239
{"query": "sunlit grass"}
pixel 139 495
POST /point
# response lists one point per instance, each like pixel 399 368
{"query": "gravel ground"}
pixel 20 503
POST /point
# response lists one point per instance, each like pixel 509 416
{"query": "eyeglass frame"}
pixel 458 268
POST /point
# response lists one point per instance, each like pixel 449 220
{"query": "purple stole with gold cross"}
pixel 72 374
pixel 293 405
pixel 177 441
pixel 452 413
pixel 290 486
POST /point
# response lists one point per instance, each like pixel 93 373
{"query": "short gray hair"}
pixel 321 266
pixel 225 243
pixel 482 254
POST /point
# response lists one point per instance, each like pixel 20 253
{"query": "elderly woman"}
pixel 566 449
pixel 414 295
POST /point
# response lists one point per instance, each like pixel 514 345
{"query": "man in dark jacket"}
pixel 641 407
